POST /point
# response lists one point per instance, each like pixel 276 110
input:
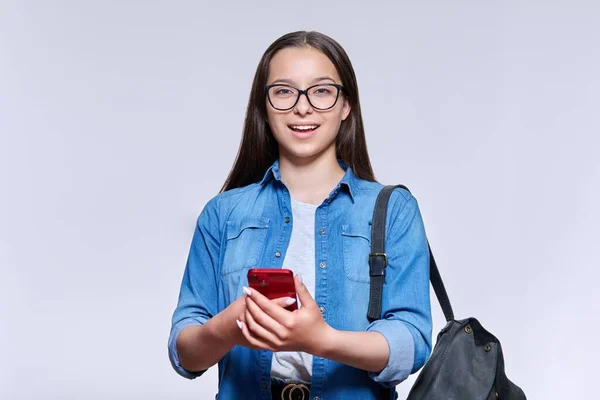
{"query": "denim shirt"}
pixel 251 227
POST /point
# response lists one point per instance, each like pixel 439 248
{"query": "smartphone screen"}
pixel 273 283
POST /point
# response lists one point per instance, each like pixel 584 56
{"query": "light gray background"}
pixel 119 120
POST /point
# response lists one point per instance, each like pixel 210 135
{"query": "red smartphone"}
pixel 274 283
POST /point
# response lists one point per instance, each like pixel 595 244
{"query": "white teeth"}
pixel 304 127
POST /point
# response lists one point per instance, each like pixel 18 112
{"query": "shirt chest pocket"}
pixel 244 245
pixel 356 244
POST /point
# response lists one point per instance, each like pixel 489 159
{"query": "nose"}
pixel 303 107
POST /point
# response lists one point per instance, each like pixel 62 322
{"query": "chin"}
pixel 304 148
pixel 305 151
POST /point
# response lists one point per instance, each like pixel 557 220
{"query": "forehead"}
pixel 301 65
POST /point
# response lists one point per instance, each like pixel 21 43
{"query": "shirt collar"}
pixel 348 181
pixel 272 173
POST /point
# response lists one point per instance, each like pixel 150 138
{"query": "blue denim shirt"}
pixel 251 227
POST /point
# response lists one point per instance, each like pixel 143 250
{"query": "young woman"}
pixel 300 196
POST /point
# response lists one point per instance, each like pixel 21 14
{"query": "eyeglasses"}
pixel 320 97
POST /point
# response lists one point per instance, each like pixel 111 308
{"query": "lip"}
pixel 303 135
pixel 303 123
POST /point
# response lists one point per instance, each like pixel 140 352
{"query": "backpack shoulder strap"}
pixel 378 261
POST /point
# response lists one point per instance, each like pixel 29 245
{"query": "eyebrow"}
pixel 291 81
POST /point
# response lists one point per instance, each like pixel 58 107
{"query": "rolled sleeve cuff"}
pixel 402 352
pixel 173 355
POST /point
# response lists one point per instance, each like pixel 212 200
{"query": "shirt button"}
pixel 322 309
pixel 322 265
pixel 277 254
pixel 287 219
pixel 322 231
pixel 316 398
pixel 263 385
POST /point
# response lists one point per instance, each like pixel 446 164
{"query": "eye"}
pixel 282 91
pixel 322 91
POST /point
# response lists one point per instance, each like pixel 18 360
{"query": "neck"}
pixel 311 179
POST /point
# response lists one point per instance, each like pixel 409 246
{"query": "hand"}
pixel 236 309
pixel 266 324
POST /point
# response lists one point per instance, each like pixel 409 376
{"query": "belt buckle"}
pixel 293 387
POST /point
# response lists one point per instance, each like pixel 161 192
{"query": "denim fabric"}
pixel 251 227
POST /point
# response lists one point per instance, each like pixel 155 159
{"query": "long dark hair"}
pixel 259 149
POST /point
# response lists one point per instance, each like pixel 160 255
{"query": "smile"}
pixel 303 128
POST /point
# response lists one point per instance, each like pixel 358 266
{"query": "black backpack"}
pixel 462 346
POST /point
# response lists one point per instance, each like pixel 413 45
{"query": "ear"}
pixel 345 109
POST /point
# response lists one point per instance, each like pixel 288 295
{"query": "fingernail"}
pixel 239 323
pixel 289 302
pixel 299 279
pixel 247 291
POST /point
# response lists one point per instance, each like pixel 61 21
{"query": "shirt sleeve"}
pixel 406 309
pixel 197 301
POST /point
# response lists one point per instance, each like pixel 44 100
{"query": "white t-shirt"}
pixel 293 366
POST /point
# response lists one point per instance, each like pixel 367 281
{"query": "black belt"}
pixel 291 391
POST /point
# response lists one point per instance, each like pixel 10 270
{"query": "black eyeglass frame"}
pixel 339 88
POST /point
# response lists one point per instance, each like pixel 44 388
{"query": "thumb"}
pixel 284 301
pixel 303 293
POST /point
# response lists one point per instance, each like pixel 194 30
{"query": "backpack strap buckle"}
pixel 377 264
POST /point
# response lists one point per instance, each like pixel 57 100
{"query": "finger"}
pixel 284 301
pixel 259 332
pixel 303 294
pixel 264 320
pixel 255 343
pixel 276 312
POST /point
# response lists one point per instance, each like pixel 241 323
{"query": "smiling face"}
pixel 305 131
